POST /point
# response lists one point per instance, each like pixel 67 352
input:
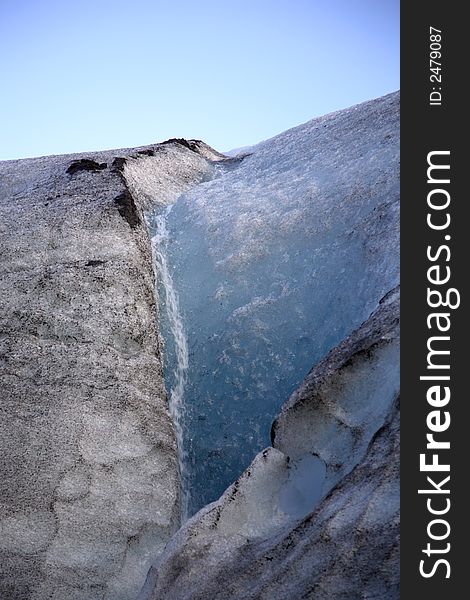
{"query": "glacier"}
pixel 274 260
pixel 270 385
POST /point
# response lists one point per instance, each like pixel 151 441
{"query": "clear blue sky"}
pixel 83 75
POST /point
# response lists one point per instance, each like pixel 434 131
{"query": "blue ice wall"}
pixel 274 262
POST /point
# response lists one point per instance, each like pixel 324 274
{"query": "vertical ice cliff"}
pixel 89 477
pixel 274 261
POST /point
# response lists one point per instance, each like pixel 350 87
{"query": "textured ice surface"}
pixel 345 413
pixel 270 534
pixel 274 261
pixel 303 487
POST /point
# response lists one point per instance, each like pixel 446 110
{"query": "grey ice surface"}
pixel 274 261
pixel 89 485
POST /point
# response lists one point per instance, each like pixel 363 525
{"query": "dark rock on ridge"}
pixel 85 164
